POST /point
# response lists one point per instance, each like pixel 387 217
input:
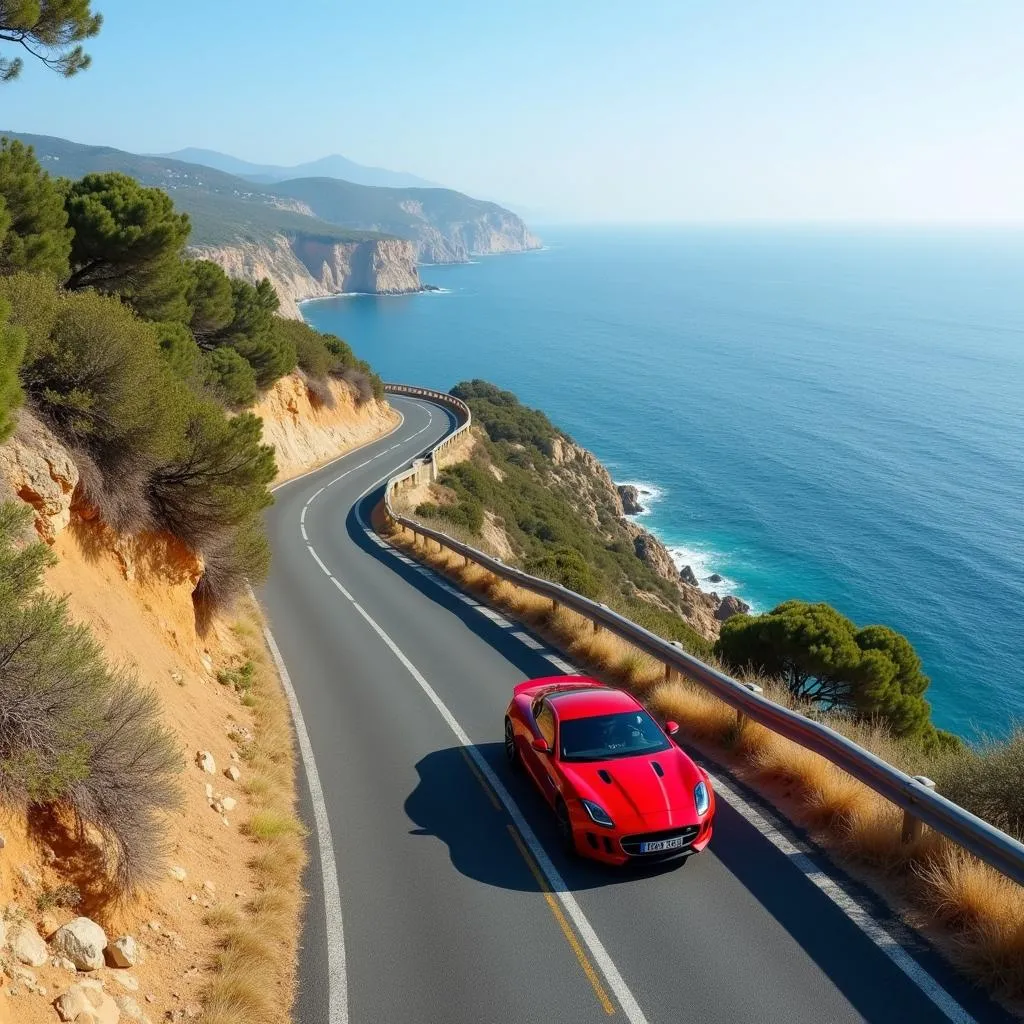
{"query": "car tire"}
pixel 568 841
pixel 511 750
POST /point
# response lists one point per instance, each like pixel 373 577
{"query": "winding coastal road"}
pixel 437 891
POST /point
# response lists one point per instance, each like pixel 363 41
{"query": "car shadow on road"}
pixel 453 803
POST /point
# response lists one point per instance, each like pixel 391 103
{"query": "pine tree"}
pixel 38 238
pixel 49 30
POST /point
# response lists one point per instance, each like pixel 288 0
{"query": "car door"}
pixel 541 765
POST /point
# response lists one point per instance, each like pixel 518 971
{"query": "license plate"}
pixel 662 844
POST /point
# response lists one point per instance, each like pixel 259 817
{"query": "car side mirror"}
pixel 541 745
pixel 671 728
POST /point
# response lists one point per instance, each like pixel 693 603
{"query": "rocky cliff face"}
pixel 584 478
pixel 455 242
pixel 307 268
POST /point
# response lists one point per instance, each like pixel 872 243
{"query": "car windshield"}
pixel 606 736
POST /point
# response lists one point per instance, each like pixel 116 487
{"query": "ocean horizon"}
pixel 826 414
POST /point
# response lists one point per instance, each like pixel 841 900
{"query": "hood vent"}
pixel 658 770
pixel 604 776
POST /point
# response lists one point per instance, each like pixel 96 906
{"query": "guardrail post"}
pixel 741 719
pixel 913 826
pixel 554 606
pixel 670 672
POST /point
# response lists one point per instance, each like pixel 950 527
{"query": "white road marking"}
pixel 799 857
pixel 600 955
pixel 798 854
pixel 337 975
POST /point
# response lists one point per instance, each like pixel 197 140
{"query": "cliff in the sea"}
pixel 529 494
pixel 493 232
pixel 304 267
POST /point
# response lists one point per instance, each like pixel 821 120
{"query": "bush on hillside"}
pixel 99 380
pixel 38 238
pixel 228 377
pixel 566 566
pixel 12 348
pixel 234 560
pixel 872 672
pixel 988 781
pixel 72 732
pixel 216 480
pixel 315 359
pixel 210 300
pixel 252 332
pixel 503 417
pixel 178 347
pixel 128 241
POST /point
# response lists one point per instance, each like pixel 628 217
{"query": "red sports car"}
pixel 621 790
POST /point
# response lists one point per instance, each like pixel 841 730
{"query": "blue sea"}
pixel 823 414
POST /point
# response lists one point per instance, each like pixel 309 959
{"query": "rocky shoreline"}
pixel 650 549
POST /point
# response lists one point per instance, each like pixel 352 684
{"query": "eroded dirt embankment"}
pixel 135 594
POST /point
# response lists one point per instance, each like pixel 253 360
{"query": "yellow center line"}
pixel 491 795
pixel 570 935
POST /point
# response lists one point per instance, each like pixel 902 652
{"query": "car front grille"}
pixel 631 844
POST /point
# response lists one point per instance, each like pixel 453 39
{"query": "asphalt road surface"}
pixel 447 915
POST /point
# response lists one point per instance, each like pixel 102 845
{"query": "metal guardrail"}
pixel 915 796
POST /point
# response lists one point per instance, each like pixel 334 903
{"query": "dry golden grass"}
pixel 981 912
pixel 253 976
pixel 985 910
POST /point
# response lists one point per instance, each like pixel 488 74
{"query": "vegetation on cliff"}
pixel 130 352
pixel 76 735
pixel 513 478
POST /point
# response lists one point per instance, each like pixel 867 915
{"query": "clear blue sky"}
pixel 879 110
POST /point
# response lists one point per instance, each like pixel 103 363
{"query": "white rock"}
pixel 229 803
pixel 126 981
pixel 123 952
pixel 204 759
pixel 63 963
pixel 87 1003
pixel 25 976
pixel 27 946
pixel 232 773
pixel 178 873
pixel 29 877
pixel 209 791
pixel 130 1008
pixel 82 941
pixel 154 926
pixel 209 887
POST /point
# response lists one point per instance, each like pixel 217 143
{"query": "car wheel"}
pixel 565 827
pixel 511 750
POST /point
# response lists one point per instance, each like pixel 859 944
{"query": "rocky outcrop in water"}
pixel 731 606
pixel 630 498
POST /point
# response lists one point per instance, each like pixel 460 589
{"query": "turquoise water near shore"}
pixel 831 415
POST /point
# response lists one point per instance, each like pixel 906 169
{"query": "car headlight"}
pixel 701 797
pixel 598 814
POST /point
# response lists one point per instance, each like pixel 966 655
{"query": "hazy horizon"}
pixel 695 115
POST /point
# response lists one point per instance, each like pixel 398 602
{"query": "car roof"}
pixel 591 701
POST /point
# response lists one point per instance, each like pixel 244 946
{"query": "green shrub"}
pixel 229 377
pixel 566 566
pixel 503 417
pixel 239 679
pixel 38 238
pixel 99 380
pixel 178 347
pixel 253 332
pixel 216 480
pixel 315 359
pixel 210 300
pixel 12 348
pixel 989 781
pixel 72 731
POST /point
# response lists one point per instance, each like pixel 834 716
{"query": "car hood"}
pixel 634 787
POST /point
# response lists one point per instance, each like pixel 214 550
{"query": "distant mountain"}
pixel 311 236
pixel 327 167
pixel 223 208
